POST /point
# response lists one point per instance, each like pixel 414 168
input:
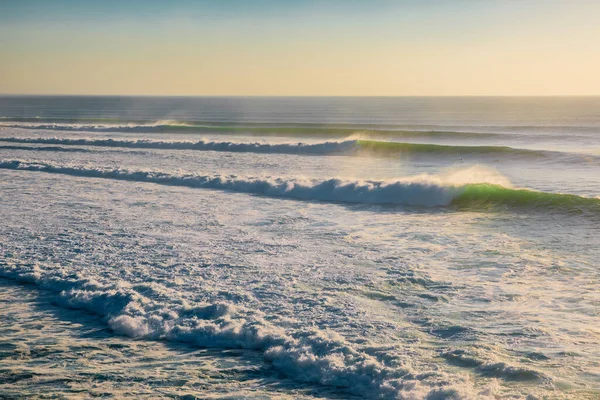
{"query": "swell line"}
pixel 47 148
pixel 423 191
pixel 283 148
pixel 110 125
pixel 347 147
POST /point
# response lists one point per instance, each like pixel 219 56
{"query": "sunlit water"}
pixel 269 248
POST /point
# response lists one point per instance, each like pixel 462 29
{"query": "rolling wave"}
pixel 109 125
pixel 47 148
pixel 396 147
pixel 356 147
pixel 283 148
pixel 471 188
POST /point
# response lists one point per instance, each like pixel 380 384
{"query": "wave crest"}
pixel 469 188
pixel 202 145
pixel 423 190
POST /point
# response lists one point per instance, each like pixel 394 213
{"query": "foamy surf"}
pixel 474 187
pixel 308 355
pixel 423 190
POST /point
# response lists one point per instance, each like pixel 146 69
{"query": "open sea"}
pixel 300 248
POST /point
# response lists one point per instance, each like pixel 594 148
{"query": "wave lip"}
pixel 470 188
pixel 409 193
pixel 485 195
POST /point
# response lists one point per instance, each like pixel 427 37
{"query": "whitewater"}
pixel 307 248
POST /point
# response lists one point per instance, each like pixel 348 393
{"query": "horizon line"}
pixel 292 96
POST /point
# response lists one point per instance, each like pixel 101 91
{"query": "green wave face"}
pixel 327 131
pixel 488 195
pixel 395 147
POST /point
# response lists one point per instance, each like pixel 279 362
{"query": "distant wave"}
pixel 470 188
pixel 46 148
pixel 358 147
pixel 101 125
pixel 283 148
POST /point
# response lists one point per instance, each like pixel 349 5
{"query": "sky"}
pixel 300 47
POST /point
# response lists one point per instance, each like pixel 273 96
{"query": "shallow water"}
pixel 226 268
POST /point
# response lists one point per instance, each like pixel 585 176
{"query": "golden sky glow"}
pixel 501 48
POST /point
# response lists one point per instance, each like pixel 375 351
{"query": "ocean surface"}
pixel 301 248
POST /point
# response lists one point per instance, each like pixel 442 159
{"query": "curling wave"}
pixel 471 188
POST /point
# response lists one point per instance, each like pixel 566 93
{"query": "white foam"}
pixel 309 355
pixel 422 190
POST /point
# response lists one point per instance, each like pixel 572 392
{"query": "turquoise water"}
pixel 300 247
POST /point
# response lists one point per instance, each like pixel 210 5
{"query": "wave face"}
pixel 353 147
pixel 472 188
pixel 474 196
pixel 396 147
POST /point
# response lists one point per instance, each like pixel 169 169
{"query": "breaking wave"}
pixel 470 188
pixel 283 148
pixel 360 147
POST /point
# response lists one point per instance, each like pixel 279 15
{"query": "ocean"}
pixel 330 248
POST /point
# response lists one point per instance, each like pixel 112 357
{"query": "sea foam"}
pixel 475 187
pixel 422 190
pixel 308 355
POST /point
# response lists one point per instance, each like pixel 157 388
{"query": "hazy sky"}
pixel 304 47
